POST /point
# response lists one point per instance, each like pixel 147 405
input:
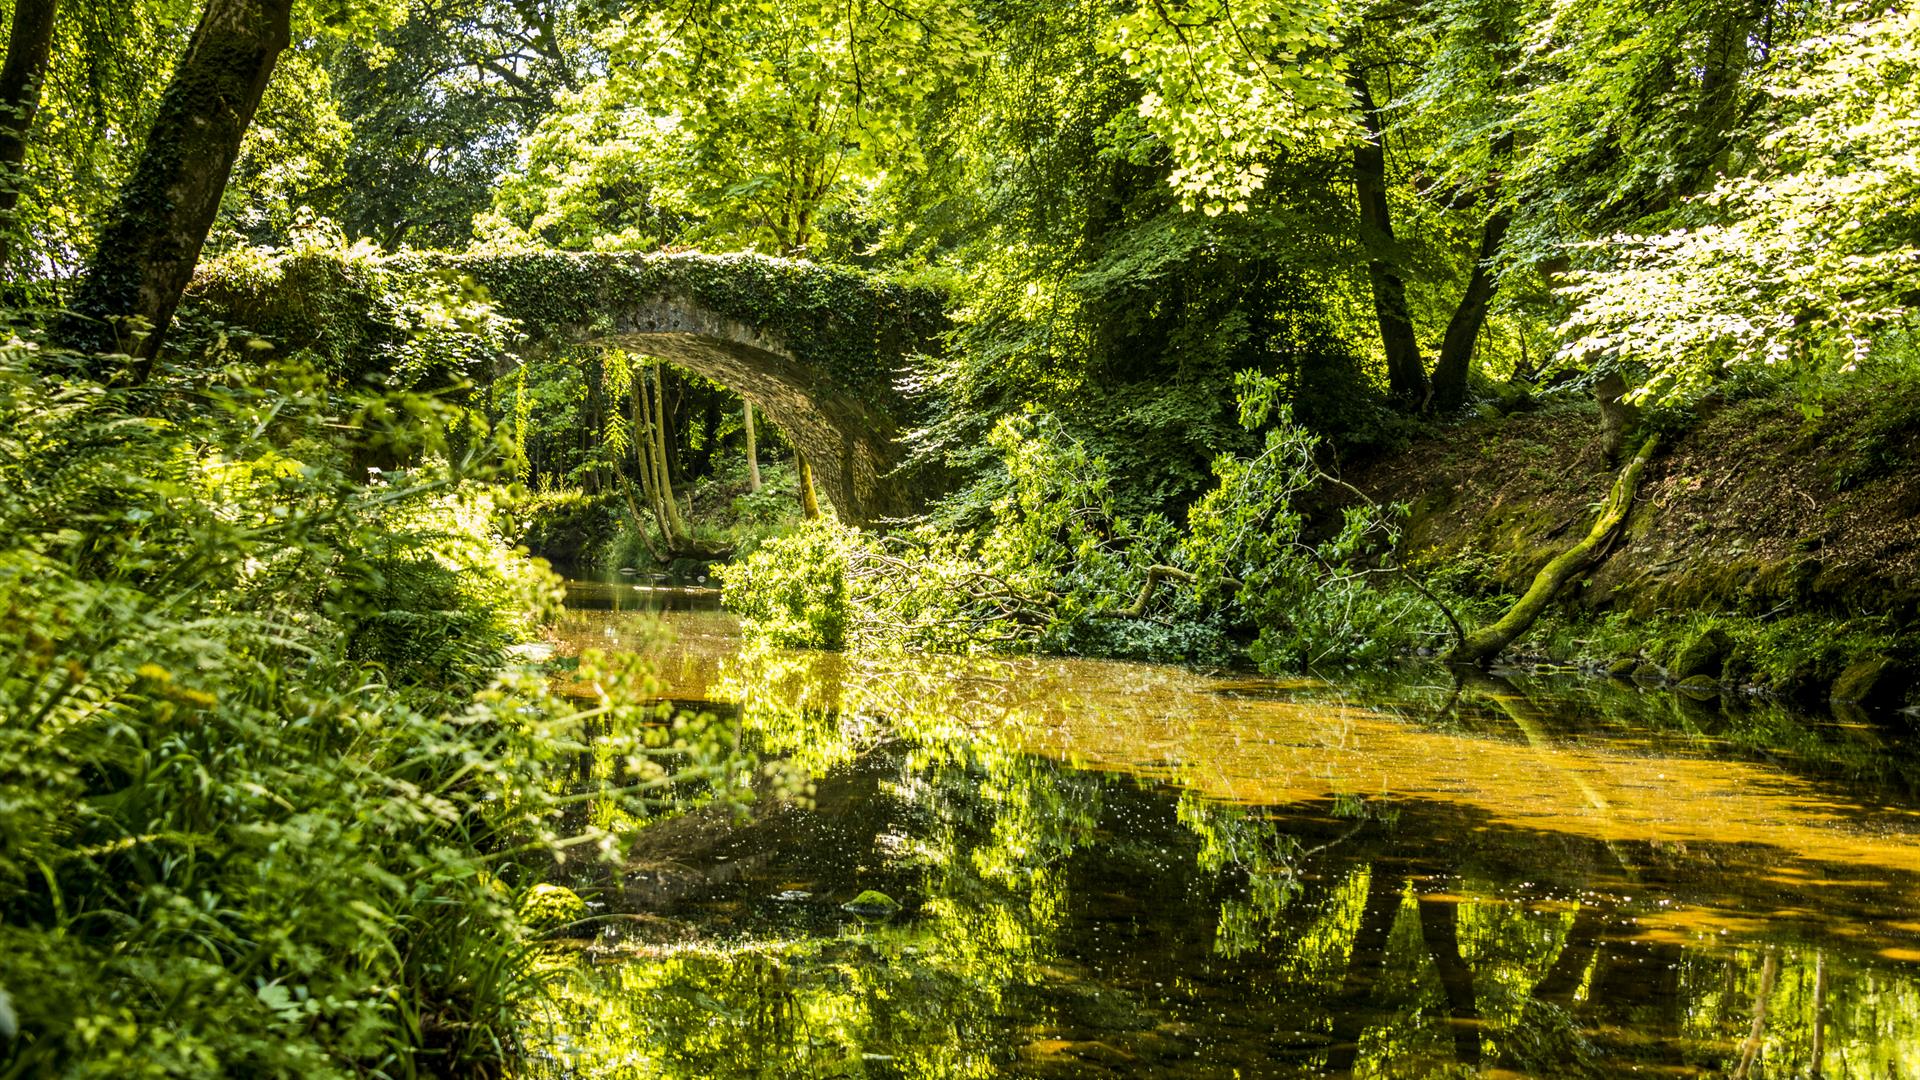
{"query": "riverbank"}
pixel 1766 551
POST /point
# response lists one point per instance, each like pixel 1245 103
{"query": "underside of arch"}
pixel 851 442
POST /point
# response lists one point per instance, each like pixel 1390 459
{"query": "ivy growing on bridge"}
pixel 359 310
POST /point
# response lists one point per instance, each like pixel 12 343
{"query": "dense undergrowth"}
pixel 1282 567
pixel 1046 560
pixel 274 800
pixel 585 532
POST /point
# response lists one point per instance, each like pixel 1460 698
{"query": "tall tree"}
pixel 1406 372
pixel 1455 362
pixel 29 46
pixel 439 104
pixel 742 122
pixel 148 250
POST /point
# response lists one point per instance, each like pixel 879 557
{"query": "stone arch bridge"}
pixel 818 351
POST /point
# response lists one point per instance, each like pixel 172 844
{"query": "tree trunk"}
pixel 1482 646
pixel 809 502
pixel 645 445
pixel 1456 349
pixel 1756 1034
pixel 1617 416
pixel 673 423
pixel 1406 374
pixel 1366 962
pixel 1440 932
pixel 643 464
pixel 1816 1056
pixel 753 453
pixel 678 535
pixel 148 250
pixel 28 48
pixel 1716 112
pixel 1562 980
pixel 596 426
pixel 709 430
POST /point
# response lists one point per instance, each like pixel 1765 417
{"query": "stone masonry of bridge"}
pixel 818 351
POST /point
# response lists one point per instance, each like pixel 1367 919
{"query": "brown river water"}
pixel 1110 869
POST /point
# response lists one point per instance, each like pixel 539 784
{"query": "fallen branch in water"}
pixel 1459 635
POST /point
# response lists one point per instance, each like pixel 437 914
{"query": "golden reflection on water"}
pixel 1242 740
pixel 1598 899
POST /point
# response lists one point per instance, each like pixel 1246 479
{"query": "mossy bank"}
pixel 1767 550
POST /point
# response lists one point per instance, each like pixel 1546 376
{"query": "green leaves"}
pixel 265 785
pixel 1808 264
pixel 744 124
pixel 1232 85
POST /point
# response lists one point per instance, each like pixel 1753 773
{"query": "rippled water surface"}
pixel 1110 869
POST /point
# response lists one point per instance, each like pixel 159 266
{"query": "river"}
pixel 1109 869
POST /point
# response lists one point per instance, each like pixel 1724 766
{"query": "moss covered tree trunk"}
pixel 1482 646
pixel 29 45
pixel 809 500
pixel 642 444
pixel 152 240
pixel 676 526
pixel 1406 374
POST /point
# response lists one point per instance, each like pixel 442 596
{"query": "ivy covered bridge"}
pixel 818 351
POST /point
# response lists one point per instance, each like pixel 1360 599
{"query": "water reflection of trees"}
pixel 1072 923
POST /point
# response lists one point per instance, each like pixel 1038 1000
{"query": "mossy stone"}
pixel 1703 654
pixel 545 907
pixel 1623 668
pixel 1648 671
pixel 872 904
pixel 1736 668
pixel 1875 682
pixel 1700 684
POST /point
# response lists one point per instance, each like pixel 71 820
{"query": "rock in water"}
pixel 872 904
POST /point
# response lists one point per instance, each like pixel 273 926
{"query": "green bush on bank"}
pixel 1053 565
pixel 266 795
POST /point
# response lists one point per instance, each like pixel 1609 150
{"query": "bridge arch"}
pixel 818 351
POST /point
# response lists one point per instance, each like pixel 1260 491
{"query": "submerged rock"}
pixel 1699 686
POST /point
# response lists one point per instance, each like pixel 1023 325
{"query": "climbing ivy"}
pixel 360 315
pixel 361 309
pixel 851 327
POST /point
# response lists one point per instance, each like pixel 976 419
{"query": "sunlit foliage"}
pixel 1804 261
pixel 270 780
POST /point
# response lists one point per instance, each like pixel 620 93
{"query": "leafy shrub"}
pixel 793 590
pixel 1311 601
